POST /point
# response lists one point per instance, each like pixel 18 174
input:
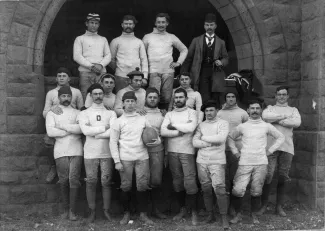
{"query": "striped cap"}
pixel 93 16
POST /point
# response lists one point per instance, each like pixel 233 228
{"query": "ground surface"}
pixel 298 218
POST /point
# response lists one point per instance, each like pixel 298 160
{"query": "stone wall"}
pixel 271 37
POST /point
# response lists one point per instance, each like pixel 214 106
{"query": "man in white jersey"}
pixel 131 155
pixel 210 138
pixel 253 157
pixel 91 51
pixel 52 103
pixel 285 119
pixel 95 123
pixel 67 150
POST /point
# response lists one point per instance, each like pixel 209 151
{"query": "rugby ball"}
pixel 148 135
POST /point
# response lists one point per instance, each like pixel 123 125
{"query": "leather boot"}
pixel 280 197
pixel 107 192
pixel 144 218
pixel 210 218
pixel 64 191
pixel 126 218
pixel 195 219
pixel 155 196
pixel 222 201
pixel 73 201
pixel 208 203
pixel 192 199
pixel 265 199
pixel 180 215
pixel 91 198
pixel 225 223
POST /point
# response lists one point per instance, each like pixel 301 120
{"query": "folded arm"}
pixel 164 131
pixel 220 137
pixel 293 121
pixel 51 129
pixel 197 141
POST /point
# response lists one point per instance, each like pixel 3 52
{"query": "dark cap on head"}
pixel 129 95
pixel 63 70
pixel 233 92
pixel 107 75
pixel 210 18
pixel 95 86
pixel 209 103
pixel 151 90
pixel 65 90
pixel 135 72
pixel 282 88
pixel 129 17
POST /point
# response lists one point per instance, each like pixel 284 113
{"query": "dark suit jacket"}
pixel 194 59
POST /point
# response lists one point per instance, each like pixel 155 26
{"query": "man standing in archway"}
pixel 128 52
pixel 206 58
pixel 91 51
pixel 159 45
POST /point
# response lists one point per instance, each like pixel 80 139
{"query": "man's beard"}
pixel 180 104
pixel 66 103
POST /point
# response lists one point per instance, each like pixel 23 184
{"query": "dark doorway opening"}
pixel 187 18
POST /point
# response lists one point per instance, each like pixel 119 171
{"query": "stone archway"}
pixel 267 35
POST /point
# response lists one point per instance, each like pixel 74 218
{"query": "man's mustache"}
pixel 66 101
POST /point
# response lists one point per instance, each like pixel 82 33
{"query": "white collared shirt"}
pixel 207 40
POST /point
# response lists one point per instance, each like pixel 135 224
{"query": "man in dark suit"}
pixel 205 60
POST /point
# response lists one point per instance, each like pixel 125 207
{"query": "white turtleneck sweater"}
pixel 141 98
pixel 185 121
pixel 234 116
pixel 66 131
pixel 155 119
pixel 126 138
pixel 210 137
pixel 91 48
pixel 92 122
pixel 108 100
pixel 159 46
pixel 128 52
pixel 254 140
pixel 194 101
pixel 275 114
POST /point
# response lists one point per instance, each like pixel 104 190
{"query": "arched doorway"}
pixel 186 23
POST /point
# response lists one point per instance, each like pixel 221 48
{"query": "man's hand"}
pixel 56 110
pixel 98 67
pixel 107 127
pixel 144 82
pixel 60 126
pixel 268 152
pixel 119 167
pixel 154 143
pixel 180 133
pixel 142 112
pixel 218 63
pixel 163 112
pixel 171 127
pixel 173 65
pixel 88 124
pixel 166 161
pixel 237 155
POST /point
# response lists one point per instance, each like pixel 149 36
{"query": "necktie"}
pixel 210 39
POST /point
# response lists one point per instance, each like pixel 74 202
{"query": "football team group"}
pixel 148 125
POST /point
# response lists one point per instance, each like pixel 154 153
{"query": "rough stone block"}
pixel 320 204
pixel 275 44
pixel 276 61
pixel 304 157
pixel 288 13
pixel 310 51
pixel 277 76
pixel 235 24
pixel 4 194
pixel 19 34
pixel 14 69
pixel 8 177
pixel 257 49
pixel 247 19
pixel 23 163
pixel 3 42
pixel 19 55
pixel 52 194
pixel 258 62
pixel 272 26
pixel 306 192
pixel 265 8
pixel 294 61
pixel 246 63
pixel 3 63
pixel 240 6
pixel 305 141
pixel 320 173
pixel 5 21
pixel 29 145
pixel 21 106
pixel 312 10
pixel 3 108
pixel 310 70
pixel 305 172
pixel 228 12
pixel 311 30
pixel 22 124
pixel 312 88
pixel 294 75
pixel 3 124
pixel 320 189
pixel 25 14
pixel 21 90
pixel 40 41
pixel 309 122
pixel 27 194
pixel 241 37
